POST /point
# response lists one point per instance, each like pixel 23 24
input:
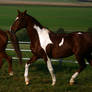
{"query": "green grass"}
pixel 69 18
pixel 40 80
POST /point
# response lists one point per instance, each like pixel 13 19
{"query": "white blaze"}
pixel 43 36
pixel 62 42
pixel 17 18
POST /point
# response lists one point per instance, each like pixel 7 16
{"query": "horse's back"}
pixel 86 38
pixel 82 42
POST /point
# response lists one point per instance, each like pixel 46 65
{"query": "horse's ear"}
pixel 25 11
pixel 18 11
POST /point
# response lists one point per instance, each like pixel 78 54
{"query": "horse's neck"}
pixel 31 22
pixel 32 34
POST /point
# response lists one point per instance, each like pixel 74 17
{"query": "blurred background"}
pixel 68 15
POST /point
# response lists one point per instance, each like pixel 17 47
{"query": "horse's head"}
pixel 19 22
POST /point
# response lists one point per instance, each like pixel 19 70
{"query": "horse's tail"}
pixel 15 44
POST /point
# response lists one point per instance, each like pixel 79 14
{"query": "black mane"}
pixel 34 21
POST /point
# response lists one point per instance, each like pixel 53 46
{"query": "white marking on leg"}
pixel 11 73
pixel 43 36
pixel 26 73
pixel 50 68
pixel 73 77
pixel 62 42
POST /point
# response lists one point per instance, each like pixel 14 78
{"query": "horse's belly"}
pixel 61 52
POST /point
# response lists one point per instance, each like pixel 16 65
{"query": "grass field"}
pixel 40 80
pixel 69 18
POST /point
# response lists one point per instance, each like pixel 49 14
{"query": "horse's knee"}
pixel 9 60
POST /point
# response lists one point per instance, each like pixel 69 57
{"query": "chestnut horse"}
pixel 46 44
pixel 3 44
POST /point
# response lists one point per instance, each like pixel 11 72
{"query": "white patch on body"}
pixel 43 36
pixel 17 18
pixel 62 42
pixel 79 33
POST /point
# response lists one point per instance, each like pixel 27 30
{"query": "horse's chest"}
pixel 43 35
pixel 44 39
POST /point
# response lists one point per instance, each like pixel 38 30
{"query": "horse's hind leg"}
pixel 82 66
pixel 9 60
pixel 89 59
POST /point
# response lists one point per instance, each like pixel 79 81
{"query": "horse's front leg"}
pixel 9 60
pixel 34 58
pixel 50 68
pixel 82 66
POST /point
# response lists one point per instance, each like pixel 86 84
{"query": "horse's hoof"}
pixel 53 84
pixel 11 73
pixel 71 83
pixel 27 82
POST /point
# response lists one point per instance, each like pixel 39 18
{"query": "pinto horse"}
pixel 3 44
pixel 46 44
